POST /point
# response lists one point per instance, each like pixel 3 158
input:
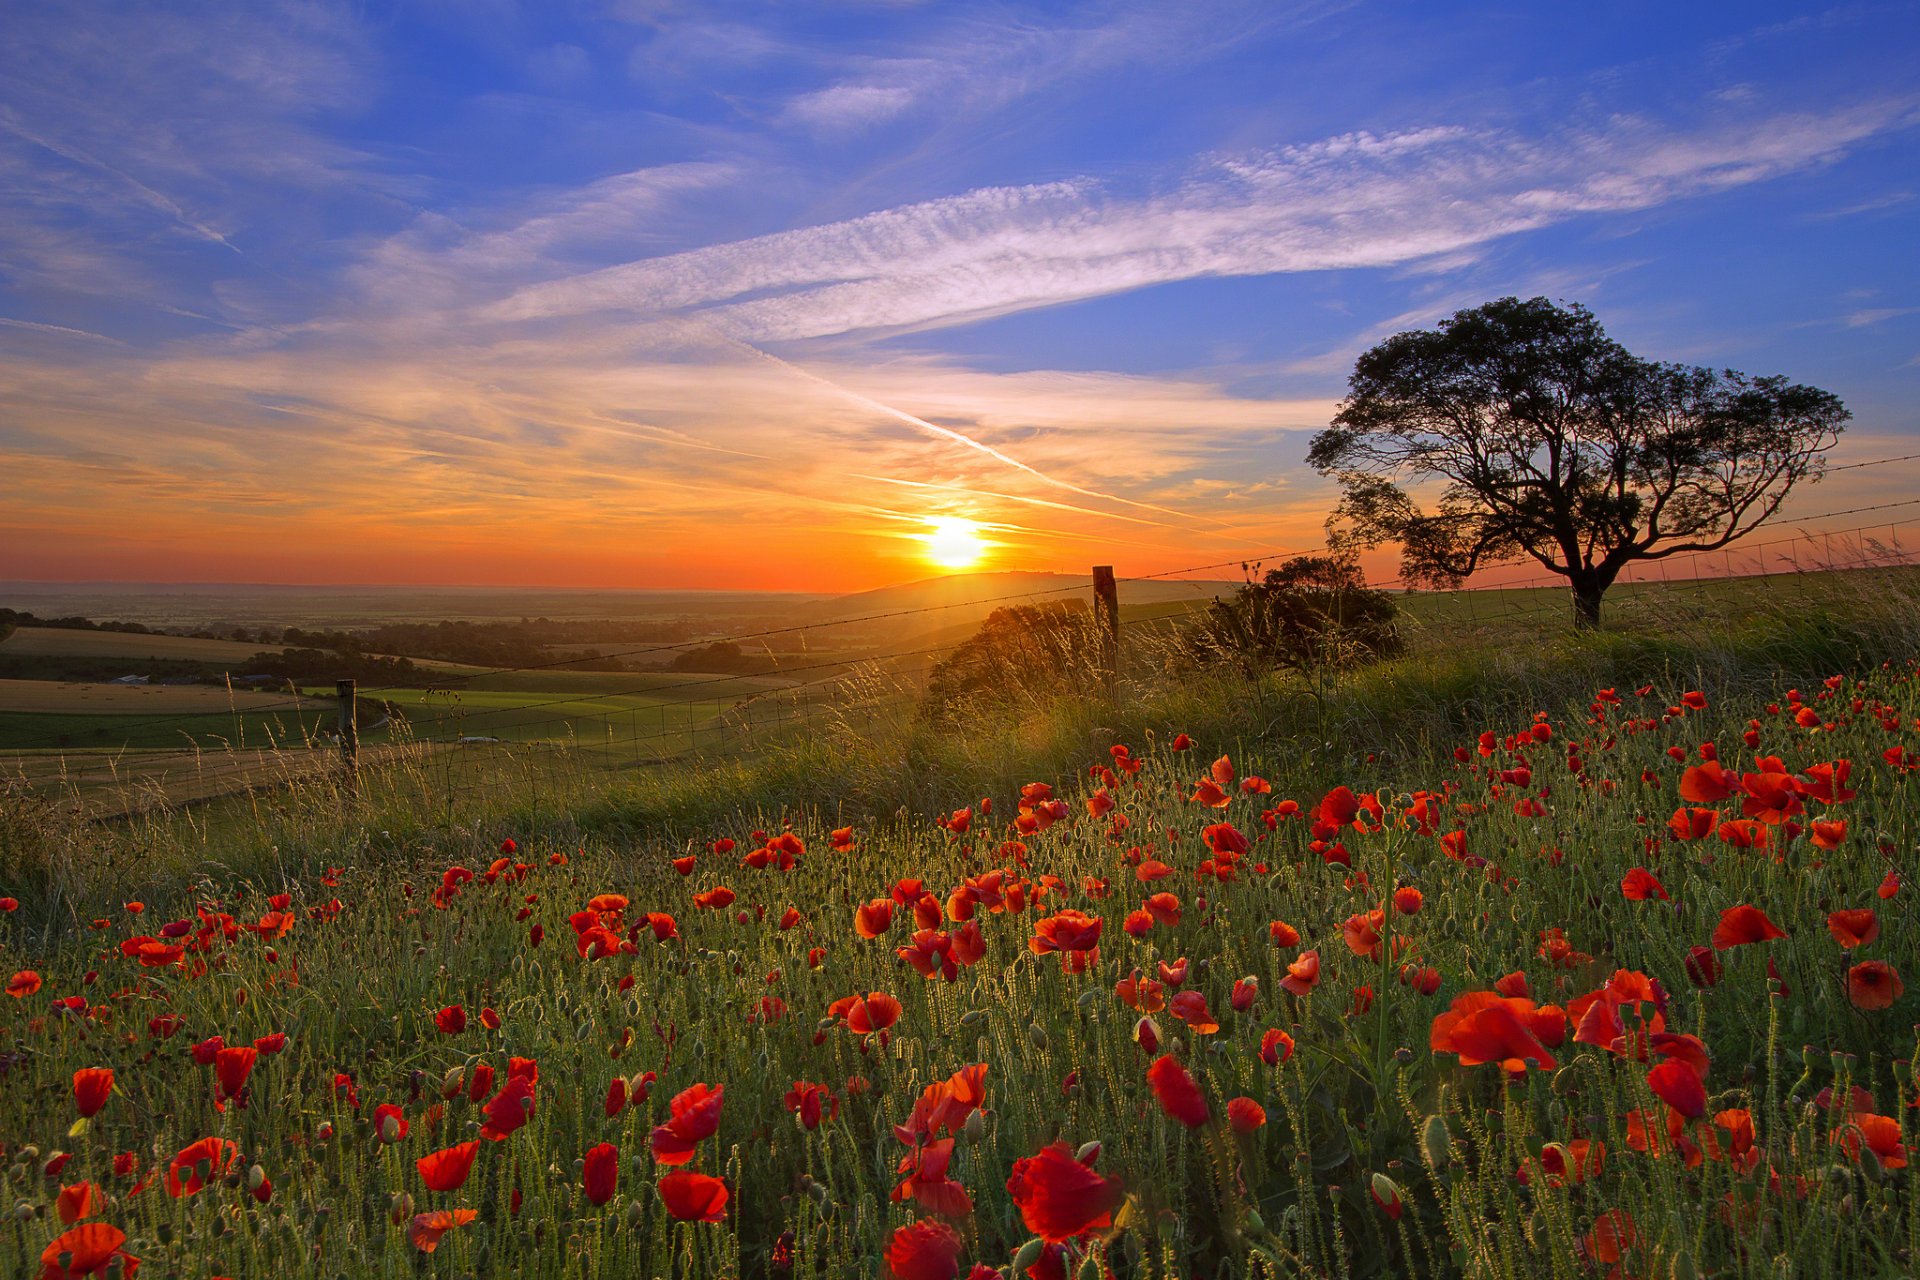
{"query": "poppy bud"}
pixel 255 1176
pixel 1090 1268
pixel 976 1125
pixel 1028 1257
pixel 1037 1036
pixel 389 1128
pixel 1436 1142
pixel 1386 1194
pixel 972 1018
pixel 1683 1266
pixel 400 1208
pixel 452 1082
pixel 1254 1222
pixel 635 1215
pixel 1088 1153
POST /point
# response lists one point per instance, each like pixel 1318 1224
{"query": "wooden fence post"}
pixel 349 737
pixel 1106 618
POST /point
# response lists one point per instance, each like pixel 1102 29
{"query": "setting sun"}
pixel 954 542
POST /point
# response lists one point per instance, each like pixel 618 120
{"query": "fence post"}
pixel 1106 618
pixel 349 737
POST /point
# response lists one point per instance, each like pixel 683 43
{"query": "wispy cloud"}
pixel 1357 200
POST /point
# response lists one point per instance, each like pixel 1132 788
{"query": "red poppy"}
pixel 1873 985
pixel 1639 884
pixel 81 1200
pixel 864 1015
pixel 1303 975
pixel 1742 925
pixel 924 1250
pixel 426 1228
pixel 198 1163
pixel 23 984
pixel 1708 783
pixel 91 1088
pixel 1827 833
pixel 1191 1008
pixel 1361 933
pixel 451 1020
pixel 874 918
pixel 695 1117
pixel 1484 1026
pixel 1408 900
pixel 1283 934
pixel 694 1197
pixel 1693 824
pixel 1059 1197
pixel 1245 1115
pixel 1679 1085
pixel 447 1170
pixel 231 1066
pixel 389 1122
pixel 1179 1096
pixel 1068 930
pixel 1614 1233
pixel 1854 928
pixel 510 1108
pixel 1276 1046
pixel 88 1249
pixel 602 1173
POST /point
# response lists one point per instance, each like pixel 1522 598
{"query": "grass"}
pixel 1365 1105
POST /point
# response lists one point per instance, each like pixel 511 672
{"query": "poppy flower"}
pixel 1191 1008
pixel 88 1249
pixel 1484 1026
pixel 924 1250
pixel 1708 783
pixel 602 1173
pixel 509 1109
pixel 447 1170
pixel 231 1066
pixel 864 1015
pixel 1639 884
pixel 1693 824
pixel 1878 1134
pixel 1179 1096
pixel 389 1122
pixel 1061 1198
pixel 1283 934
pixel 426 1228
pixel 715 899
pixel 874 918
pixel 695 1116
pixel 198 1163
pixel 81 1200
pixel 1854 928
pixel 1408 900
pixel 1245 1115
pixel 1068 930
pixel 694 1197
pixel 1873 984
pixel 23 984
pixel 1827 833
pixel 1679 1086
pixel 1614 1234
pixel 1743 925
pixel 91 1088
pixel 1276 1046
pixel 1361 933
pixel 1303 975
pixel 812 1103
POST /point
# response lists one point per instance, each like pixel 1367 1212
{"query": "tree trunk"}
pixel 1587 592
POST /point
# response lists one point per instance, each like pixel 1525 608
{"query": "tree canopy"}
pixel 1532 435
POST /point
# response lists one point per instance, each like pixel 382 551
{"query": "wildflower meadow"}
pixel 1618 990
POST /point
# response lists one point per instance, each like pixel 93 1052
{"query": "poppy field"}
pixel 1614 990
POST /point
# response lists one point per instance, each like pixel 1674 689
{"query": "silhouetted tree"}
pixel 1547 440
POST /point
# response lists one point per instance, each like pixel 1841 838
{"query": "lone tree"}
pixel 1548 440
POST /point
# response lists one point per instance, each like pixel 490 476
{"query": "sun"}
pixel 954 542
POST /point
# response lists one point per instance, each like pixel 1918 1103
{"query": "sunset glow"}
pixel 954 543
pixel 731 297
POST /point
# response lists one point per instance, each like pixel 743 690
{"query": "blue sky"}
pixel 658 294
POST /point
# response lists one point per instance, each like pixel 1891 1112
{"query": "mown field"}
pixel 1582 962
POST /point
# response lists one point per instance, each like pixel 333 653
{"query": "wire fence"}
pixel 465 735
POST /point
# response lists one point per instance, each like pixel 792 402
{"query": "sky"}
pixel 649 294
